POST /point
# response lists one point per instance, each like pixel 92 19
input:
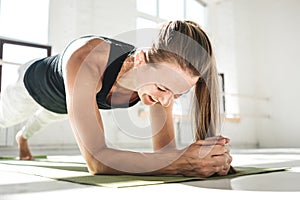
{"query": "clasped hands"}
pixel 205 158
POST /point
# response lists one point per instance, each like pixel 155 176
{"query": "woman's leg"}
pixel 38 121
pixel 17 106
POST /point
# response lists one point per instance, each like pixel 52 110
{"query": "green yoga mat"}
pixel 76 172
pixel 17 158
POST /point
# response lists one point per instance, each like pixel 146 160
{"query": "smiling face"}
pixel 157 83
pixel 162 83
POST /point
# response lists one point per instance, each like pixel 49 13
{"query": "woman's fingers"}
pixel 223 164
pixel 212 150
pixel 209 166
pixel 206 157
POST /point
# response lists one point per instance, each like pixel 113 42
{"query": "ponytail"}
pixel 206 106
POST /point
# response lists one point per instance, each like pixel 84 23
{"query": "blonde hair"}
pixel 185 43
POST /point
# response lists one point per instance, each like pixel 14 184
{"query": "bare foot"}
pixel 24 151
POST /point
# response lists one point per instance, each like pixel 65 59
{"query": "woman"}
pixel 119 76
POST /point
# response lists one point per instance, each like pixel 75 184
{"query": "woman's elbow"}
pixel 97 168
pixel 94 172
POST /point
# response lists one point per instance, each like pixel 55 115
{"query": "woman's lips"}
pixel 151 99
pixel 148 100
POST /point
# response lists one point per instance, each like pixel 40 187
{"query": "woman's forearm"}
pixel 112 161
pixel 203 158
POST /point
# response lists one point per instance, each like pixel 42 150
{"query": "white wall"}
pixel 257 45
pixel 229 35
pixel 278 69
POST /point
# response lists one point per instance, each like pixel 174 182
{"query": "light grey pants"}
pixel 17 106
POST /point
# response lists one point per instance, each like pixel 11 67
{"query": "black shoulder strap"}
pixel 119 51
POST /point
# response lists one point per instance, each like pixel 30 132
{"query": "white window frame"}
pixel 156 18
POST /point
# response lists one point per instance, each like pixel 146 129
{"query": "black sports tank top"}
pixel 44 79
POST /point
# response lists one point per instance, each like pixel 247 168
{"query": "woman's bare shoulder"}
pixel 83 47
pixel 91 54
pixel 92 50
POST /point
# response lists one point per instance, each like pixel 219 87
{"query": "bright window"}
pixel 25 20
pixel 196 11
pixel 149 7
pixel 22 21
pixel 171 9
pixel 152 12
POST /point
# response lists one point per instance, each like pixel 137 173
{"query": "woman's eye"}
pixel 161 89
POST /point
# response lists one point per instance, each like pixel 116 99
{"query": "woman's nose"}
pixel 166 99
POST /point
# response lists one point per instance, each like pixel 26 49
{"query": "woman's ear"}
pixel 140 58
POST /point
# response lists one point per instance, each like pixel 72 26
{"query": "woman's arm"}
pixel 162 127
pixel 84 62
